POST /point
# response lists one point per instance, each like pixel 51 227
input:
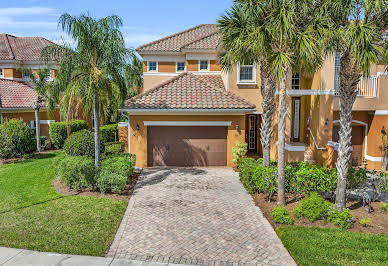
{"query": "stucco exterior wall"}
pixel 139 138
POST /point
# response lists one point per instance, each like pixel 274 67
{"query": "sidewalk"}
pixel 13 256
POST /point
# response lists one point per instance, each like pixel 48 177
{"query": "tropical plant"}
pixel 358 30
pixel 239 151
pixel 93 72
pixel 283 36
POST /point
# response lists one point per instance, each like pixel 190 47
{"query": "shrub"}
pixel 16 139
pixel 342 219
pixel 356 177
pixel 76 171
pixel 115 172
pixel 239 151
pixel 313 208
pixel 365 222
pixel 114 148
pixel 44 142
pixel 384 207
pixel 312 177
pixel 280 215
pixel 81 143
pixel 109 133
pixel 58 131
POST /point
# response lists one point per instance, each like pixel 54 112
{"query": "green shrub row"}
pixel 16 139
pixel 78 172
pixel 114 148
pixel 81 143
pixel 301 177
pixel 58 131
pixel 109 133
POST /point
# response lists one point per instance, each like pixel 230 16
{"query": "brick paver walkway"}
pixel 196 216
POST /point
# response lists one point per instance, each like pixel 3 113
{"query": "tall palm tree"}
pixel 235 27
pixel 358 36
pixel 41 84
pixel 94 70
pixel 287 34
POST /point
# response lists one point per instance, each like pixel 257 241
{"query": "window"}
pixel 295 81
pixel 246 74
pixel 152 66
pixel 2 72
pixel 203 65
pixel 337 65
pixel 180 66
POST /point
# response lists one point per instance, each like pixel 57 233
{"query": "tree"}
pixel 41 85
pixel 235 27
pixel 289 35
pixel 94 70
pixel 359 26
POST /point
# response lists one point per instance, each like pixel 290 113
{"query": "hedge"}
pixel 109 133
pixel 16 139
pixel 81 143
pixel 58 131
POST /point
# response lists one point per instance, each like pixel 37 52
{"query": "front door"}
pixel 295 125
pixel 252 132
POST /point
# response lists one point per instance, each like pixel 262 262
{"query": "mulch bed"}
pixel 62 189
pixel 379 219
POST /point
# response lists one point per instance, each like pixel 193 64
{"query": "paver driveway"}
pixel 196 216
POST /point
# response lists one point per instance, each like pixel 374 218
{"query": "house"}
pixel 190 113
pixel 16 93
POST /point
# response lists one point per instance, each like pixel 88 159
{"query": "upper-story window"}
pixel 180 66
pixel 153 66
pixel 246 74
pixel 337 66
pixel 295 81
pixel 1 72
pixel 203 65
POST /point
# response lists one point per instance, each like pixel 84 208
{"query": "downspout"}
pixel 129 135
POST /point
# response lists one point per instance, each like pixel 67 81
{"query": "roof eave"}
pixel 148 52
pixel 159 111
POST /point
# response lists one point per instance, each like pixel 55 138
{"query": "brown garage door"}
pixel 187 146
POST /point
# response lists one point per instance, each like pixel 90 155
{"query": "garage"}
pixel 187 145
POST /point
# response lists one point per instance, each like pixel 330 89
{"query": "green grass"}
pixel 34 216
pixel 330 246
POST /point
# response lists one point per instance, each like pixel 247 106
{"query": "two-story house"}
pixel 190 113
pixel 16 93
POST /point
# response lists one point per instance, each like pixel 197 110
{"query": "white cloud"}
pixel 23 11
pixel 140 38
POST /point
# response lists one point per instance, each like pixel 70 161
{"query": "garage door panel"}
pixel 187 146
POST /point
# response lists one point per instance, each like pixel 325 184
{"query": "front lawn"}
pixel 34 216
pixel 329 246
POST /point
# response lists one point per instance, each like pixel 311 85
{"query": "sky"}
pixel 144 20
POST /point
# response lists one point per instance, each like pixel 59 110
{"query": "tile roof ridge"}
pixel 200 38
pixel 16 81
pixel 10 51
pixel 172 35
pixel 156 87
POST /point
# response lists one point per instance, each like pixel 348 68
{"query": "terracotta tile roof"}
pixel 189 91
pixel 200 37
pixel 15 94
pixel 21 48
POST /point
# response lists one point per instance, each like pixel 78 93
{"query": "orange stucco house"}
pixel 190 113
pixel 16 93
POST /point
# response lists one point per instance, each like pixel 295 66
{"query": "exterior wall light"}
pixel 383 131
pixel 137 127
pixel 237 127
pixel 326 121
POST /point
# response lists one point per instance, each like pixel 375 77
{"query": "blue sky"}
pixel 144 20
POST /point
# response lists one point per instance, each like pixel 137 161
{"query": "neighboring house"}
pixel 16 93
pixel 191 113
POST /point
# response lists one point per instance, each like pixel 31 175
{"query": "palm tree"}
pixel 235 27
pixel 93 72
pixel 358 36
pixel 287 35
pixel 41 84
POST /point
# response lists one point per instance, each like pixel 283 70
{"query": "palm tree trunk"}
pixel 37 129
pixel 96 131
pixel 282 114
pixel 349 78
pixel 268 106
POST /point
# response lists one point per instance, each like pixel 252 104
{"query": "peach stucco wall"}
pixel 139 138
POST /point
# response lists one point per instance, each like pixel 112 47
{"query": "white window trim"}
pixel 176 67
pixel 254 71
pixel 2 73
pixel 208 65
pixel 148 66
